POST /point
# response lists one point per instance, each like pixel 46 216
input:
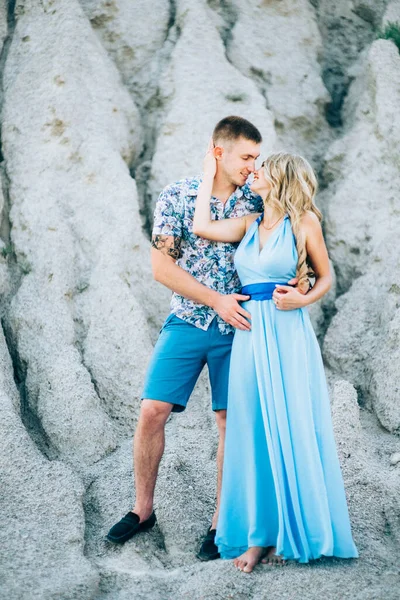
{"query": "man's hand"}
pixel 229 309
pixel 288 298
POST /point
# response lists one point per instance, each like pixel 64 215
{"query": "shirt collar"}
pixel 194 186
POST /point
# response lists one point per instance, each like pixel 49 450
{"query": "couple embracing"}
pixel 241 309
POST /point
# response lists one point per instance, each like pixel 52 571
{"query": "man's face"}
pixel 238 160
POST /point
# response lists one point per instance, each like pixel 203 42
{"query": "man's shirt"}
pixel 210 263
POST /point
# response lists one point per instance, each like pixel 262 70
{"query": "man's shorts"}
pixel 179 356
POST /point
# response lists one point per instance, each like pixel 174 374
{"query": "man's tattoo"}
pixel 168 245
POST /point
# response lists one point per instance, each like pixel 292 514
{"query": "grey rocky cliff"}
pixel 278 44
pixel 104 103
pixel 42 519
pixel 362 341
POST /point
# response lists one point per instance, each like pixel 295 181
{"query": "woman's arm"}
pixel 224 230
pixel 318 256
pixel 288 298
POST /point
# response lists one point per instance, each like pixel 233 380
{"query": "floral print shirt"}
pixel 211 263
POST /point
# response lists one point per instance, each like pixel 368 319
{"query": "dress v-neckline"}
pixel 277 228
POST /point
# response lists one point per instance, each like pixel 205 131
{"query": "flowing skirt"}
pixel 282 484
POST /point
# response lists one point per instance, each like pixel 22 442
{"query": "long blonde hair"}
pixel 293 189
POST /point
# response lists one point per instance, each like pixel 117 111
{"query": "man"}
pixel 205 310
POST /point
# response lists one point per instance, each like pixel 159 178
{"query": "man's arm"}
pixel 164 252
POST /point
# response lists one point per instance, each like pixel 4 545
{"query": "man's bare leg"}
pixel 220 416
pixel 148 448
pixel 208 549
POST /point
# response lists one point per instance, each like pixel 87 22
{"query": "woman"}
pixel 282 489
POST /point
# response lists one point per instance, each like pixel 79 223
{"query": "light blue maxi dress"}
pixel 282 484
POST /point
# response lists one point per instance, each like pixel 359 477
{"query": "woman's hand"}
pixel 286 297
pixel 303 289
pixel 210 162
pixel 220 230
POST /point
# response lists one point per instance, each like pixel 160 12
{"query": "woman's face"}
pixel 260 185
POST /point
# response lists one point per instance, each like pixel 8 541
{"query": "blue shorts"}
pixel 179 356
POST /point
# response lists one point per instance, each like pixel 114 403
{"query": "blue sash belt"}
pixel 261 291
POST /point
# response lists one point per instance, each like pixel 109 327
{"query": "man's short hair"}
pixel 232 128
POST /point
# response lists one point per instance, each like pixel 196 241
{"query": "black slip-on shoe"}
pixel 128 526
pixel 208 549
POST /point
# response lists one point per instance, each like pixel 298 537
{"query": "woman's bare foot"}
pixel 273 559
pixel 247 561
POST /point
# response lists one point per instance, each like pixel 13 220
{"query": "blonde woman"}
pixel 282 489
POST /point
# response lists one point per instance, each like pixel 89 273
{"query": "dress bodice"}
pixel 277 260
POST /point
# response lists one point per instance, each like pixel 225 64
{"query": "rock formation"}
pixel 103 102
pixel 363 338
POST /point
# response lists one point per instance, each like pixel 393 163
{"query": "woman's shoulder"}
pixel 309 220
pixel 250 218
pixel 310 225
